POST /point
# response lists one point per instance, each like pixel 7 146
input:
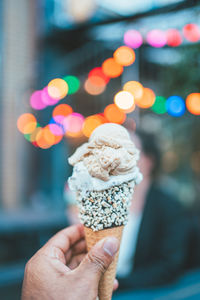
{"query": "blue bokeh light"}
pixel 175 106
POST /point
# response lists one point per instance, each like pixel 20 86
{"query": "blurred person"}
pixel 154 244
pixel 62 270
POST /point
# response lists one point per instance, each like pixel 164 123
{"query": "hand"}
pixel 61 270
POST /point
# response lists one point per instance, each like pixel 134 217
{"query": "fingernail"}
pixel 111 246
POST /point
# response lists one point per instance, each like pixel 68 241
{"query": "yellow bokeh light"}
pixel 135 88
pixel 124 101
pixel 193 103
pixel 124 56
pixel 147 99
pixel 57 88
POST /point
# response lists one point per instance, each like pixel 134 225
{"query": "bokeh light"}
pixel 57 88
pixel 90 124
pixel 191 32
pixel 73 84
pixel 47 99
pixel 61 111
pixel 26 123
pixel 73 125
pixel 97 77
pixel 33 135
pixel 80 11
pixel 135 88
pixel 124 101
pixel 41 140
pixel 193 103
pixel 111 68
pixel 56 128
pixel 175 106
pixel 133 39
pixel 124 56
pixel 114 114
pixel 159 106
pixel 174 38
pixel 147 99
pixel 93 89
pixel 36 101
pixel 156 38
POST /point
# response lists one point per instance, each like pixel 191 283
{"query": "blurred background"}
pixel 68 66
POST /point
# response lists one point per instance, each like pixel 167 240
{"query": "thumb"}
pixel 99 258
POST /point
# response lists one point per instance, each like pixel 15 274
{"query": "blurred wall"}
pixel 18 55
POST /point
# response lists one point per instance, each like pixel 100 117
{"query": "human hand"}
pixel 61 270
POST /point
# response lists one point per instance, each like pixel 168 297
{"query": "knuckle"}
pixel 97 261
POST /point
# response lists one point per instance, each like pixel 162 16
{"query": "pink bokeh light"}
pixel 156 38
pixel 36 101
pixel 48 100
pixel 73 123
pixel 133 39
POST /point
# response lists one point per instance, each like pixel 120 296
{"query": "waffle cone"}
pixel 107 279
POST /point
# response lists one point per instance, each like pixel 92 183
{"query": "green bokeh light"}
pixel 159 106
pixel 73 84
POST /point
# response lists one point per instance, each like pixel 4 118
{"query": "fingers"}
pixel 99 258
pixel 65 238
pixel 116 285
pixel 75 261
pixel 78 248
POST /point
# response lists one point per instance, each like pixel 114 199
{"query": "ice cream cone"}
pixel 107 280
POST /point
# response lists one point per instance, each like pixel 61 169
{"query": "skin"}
pixel 62 270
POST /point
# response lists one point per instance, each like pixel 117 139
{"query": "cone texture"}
pixel 107 280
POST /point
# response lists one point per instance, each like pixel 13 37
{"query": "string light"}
pixel 111 68
pixel 133 39
pixel 191 32
pixel 135 88
pixel 73 84
pixel 124 56
pixel 114 115
pixel 36 101
pixel 193 103
pixel 175 106
pixel 93 89
pixel 61 111
pixel 90 124
pixel 124 101
pixel 174 38
pixel 156 38
pixel 159 106
pixel 73 125
pixel 147 99
pixel 26 123
pixel 57 88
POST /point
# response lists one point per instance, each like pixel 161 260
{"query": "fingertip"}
pixel 115 285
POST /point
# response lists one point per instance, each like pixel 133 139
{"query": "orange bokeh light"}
pixel 26 123
pixel 90 124
pixel 97 77
pixel 114 114
pixel 57 88
pixel 111 68
pixel 147 99
pixel 62 110
pixel 93 89
pixel 124 56
pixel 41 140
pixel 135 88
pixel 125 101
pixel 193 103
